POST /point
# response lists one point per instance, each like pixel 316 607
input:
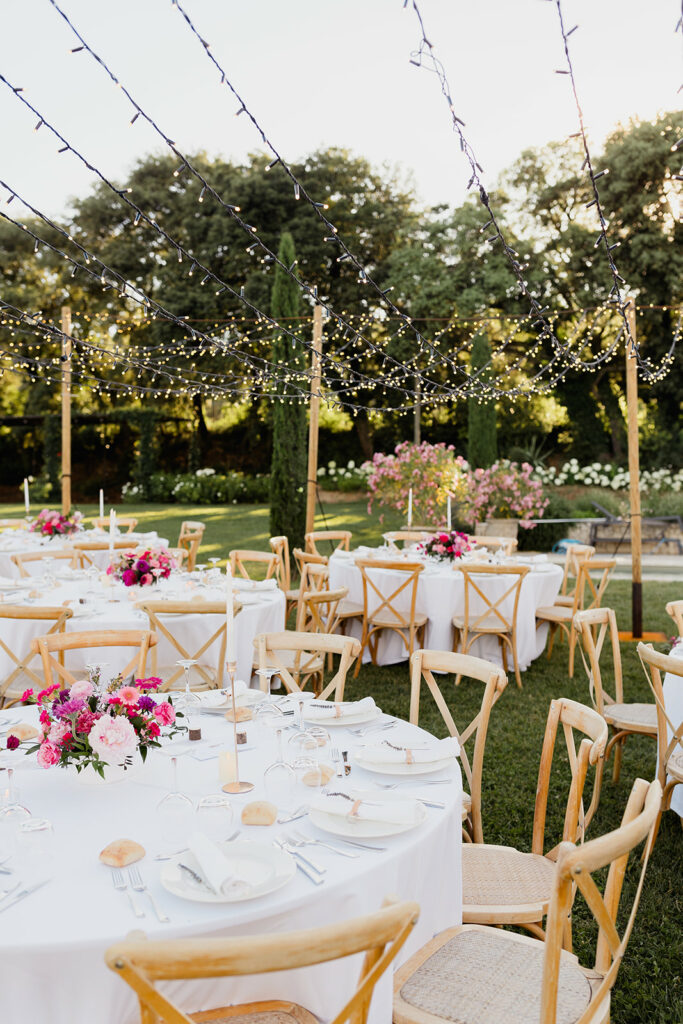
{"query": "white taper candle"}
pixel 229 619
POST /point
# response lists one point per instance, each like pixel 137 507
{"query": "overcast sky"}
pixel 321 73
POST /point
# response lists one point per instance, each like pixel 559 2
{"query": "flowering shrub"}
pixel 446 546
pixel 100 725
pixel 505 490
pixel 203 487
pixel 142 570
pixel 432 470
pixel 599 474
pixel 51 523
pixel 344 478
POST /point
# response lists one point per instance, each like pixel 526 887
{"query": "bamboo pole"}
pixel 66 410
pixel 314 419
pixel 634 474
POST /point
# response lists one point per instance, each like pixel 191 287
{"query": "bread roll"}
pixel 23 731
pixel 243 715
pixel 318 776
pixel 122 852
pixel 259 812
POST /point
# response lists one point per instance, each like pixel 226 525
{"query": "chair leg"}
pixel 572 648
pixel 551 638
pixel 518 677
pixel 618 751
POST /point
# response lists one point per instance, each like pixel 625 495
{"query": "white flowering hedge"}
pixel 599 474
pixel 344 478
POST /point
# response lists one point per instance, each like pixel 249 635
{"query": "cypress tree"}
pixel 290 456
pixel 482 444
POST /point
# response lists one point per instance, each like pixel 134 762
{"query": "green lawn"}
pixel 649 984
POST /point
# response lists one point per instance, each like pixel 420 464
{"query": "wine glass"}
pixel 268 717
pixel 189 702
pixel 214 817
pixel 267 675
pixel 12 814
pixel 35 841
pixel 175 812
pixel 308 777
pixel 279 779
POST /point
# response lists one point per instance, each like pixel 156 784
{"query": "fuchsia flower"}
pixel 165 713
pixel 12 742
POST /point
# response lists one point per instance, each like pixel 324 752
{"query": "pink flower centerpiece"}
pixel 96 725
pixel 142 570
pixel 51 523
pixel 446 546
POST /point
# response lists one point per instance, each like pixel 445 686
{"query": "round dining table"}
pixel 52 943
pixel 24 542
pixel 441 595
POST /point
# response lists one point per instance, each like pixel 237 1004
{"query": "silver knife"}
pixel 360 846
pixel 307 860
pixel 432 803
pixel 20 895
pixel 316 879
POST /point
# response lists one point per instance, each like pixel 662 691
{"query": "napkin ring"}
pixel 353 813
pixel 409 756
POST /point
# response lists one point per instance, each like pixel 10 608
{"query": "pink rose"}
pixel 165 713
pixel 81 688
pixel 58 733
pixel 47 755
pixel 113 739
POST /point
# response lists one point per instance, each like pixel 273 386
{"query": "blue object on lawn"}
pixel 560 547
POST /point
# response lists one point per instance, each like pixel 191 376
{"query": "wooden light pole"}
pixel 634 477
pixel 66 410
pixel 314 418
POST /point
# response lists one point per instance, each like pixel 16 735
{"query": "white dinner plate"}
pixel 345 719
pixel 262 869
pixel 337 825
pixel 401 768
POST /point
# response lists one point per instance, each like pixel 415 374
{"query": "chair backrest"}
pixel 386 606
pixel 573 717
pixel 243 562
pixel 497 608
pixel 508 544
pixel 22 659
pixel 304 558
pixel 178 555
pixel 317 645
pixel 314 577
pixel 422 665
pixel 380 936
pixel 669 731
pixel 316 610
pixel 63 554
pixel 102 523
pixel 280 547
pixel 190 537
pixel 340 540
pixel 158 612
pixel 58 643
pixel 574 556
pixel 575 867
pixel 594 626
pixel 13 524
pixel 392 537
pixel 591 582
pixel 675 610
pixel 83 549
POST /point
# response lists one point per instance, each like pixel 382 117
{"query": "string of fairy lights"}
pixel 342 380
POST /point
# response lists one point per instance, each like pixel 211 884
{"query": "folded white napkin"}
pixel 393 812
pixel 242 584
pixel 388 753
pixel 213 865
pixel 325 709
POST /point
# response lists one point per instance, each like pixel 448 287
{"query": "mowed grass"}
pixel 649 985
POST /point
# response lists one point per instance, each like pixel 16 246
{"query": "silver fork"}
pixel 428 803
pixel 120 884
pixel 137 883
pixel 297 839
pixel 372 728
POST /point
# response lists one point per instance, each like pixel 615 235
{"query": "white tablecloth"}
pixel 115 611
pixel 52 944
pixel 440 596
pixel 673 698
pixel 23 542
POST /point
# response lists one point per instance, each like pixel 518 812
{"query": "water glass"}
pixel 214 817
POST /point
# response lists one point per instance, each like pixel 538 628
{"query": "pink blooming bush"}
pixel 142 570
pixel 50 523
pixel 506 490
pixel 432 470
pixel 98 724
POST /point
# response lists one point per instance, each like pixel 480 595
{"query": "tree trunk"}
pixel 363 432
pixel 202 429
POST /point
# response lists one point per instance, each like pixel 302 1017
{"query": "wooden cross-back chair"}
pixel 297 657
pixel 484 614
pixel 83 550
pixel 507 544
pixel 65 554
pixel 59 643
pixel 179 556
pixel 502 977
pixel 340 540
pixel 406 537
pixel 380 936
pixel 588 594
pixel 13 524
pixel 574 556
pixel 317 610
pixel 423 664
pixel 102 523
pixel 410 626
pixel 161 621
pixel 303 559
pixel 597 629
pixel 675 610
pixel 243 562
pixel 26 672
pixel 280 547
pixel 669 731
pixel 190 537
pixel 500 884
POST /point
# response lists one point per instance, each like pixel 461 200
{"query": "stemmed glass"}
pixel 267 674
pixel 175 811
pixel 12 815
pixel 190 702
pixel 279 779
pixel 214 817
